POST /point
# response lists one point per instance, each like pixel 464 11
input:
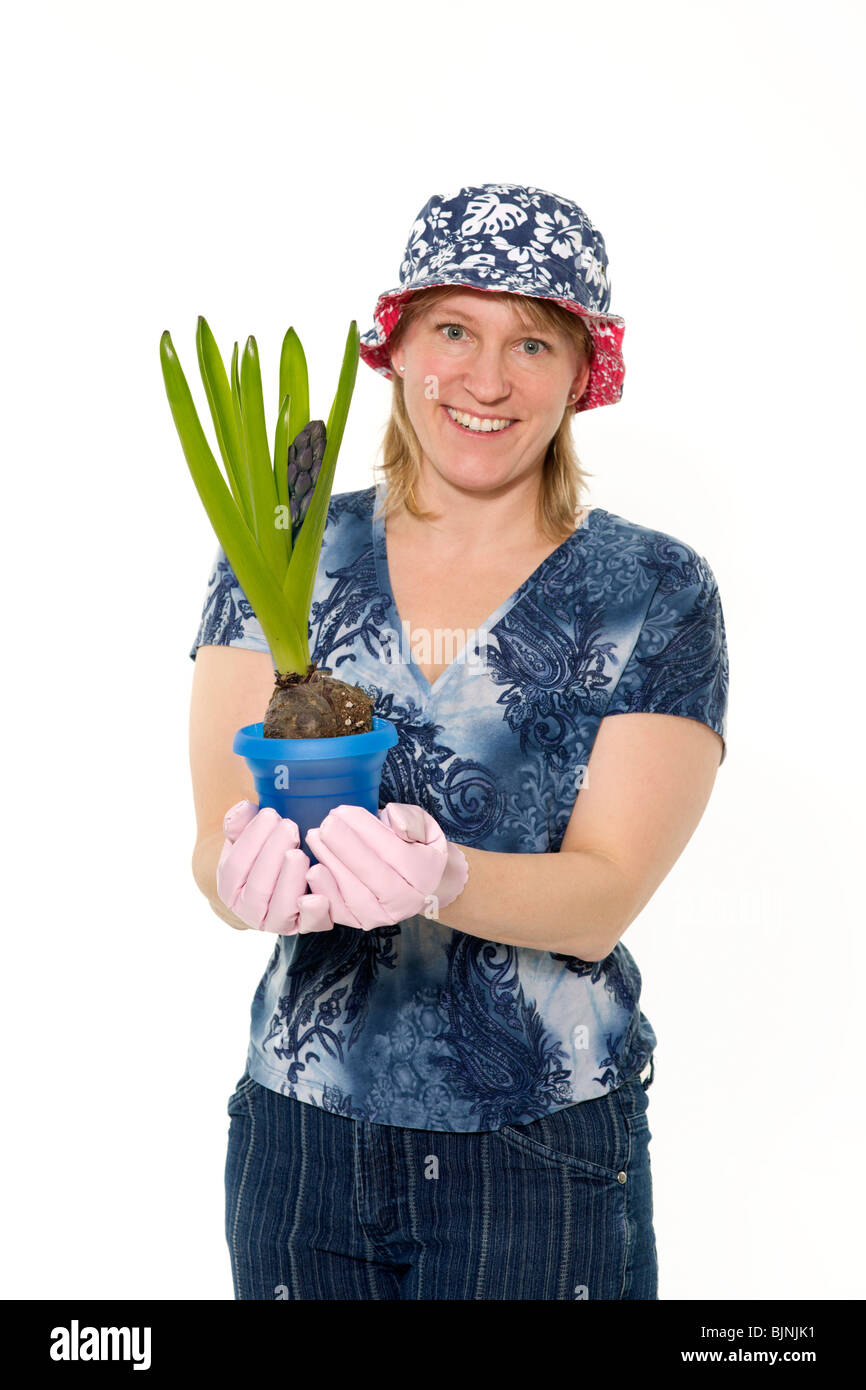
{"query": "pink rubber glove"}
pixel 377 870
pixel 262 873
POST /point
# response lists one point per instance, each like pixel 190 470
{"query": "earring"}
pixel 402 369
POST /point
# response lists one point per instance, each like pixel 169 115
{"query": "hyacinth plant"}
pixel 269 513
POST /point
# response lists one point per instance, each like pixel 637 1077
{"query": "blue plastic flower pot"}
pixel 305 778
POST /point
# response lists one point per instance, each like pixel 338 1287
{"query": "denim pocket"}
pixel 589 1138
pixel 633 1103
pixel 237 1102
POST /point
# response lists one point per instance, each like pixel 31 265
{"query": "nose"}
pixel 487 379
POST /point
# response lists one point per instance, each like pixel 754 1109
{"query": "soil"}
pixel 315 705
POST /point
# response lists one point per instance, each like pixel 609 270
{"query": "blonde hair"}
pixel 563 477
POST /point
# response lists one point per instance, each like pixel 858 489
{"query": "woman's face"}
pixel 469 351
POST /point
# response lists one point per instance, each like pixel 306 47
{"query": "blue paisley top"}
pixel 417 1024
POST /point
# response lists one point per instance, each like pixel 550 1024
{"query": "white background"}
pixel 262 164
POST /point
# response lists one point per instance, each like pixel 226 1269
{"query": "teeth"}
pixel 472 422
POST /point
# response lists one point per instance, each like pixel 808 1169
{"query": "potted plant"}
pixel 318 745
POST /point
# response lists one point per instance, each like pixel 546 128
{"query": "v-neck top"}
pixel 417 1024
pixel 403 637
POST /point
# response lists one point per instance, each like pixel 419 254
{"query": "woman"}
pixel 446 1098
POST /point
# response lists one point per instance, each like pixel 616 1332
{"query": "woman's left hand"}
pixel 376 870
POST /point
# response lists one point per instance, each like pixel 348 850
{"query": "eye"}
pixel 440 326
pixel 538 341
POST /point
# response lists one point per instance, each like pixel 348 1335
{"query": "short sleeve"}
pixel 679 663
pixel 227 619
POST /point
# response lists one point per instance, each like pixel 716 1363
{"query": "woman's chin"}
pixel 470 468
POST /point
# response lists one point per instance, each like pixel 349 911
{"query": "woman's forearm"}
pixel 575 903
pixel 204 866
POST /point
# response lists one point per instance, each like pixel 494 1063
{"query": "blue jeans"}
pixel 319 1206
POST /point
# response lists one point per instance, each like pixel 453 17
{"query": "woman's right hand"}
pixel 262 873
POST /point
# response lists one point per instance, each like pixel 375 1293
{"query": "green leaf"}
pixel 245 483
pixel 281 462
pixel 301 576
pixel 288 642
pixel 219 396
pixel 295 382
pixel 271 543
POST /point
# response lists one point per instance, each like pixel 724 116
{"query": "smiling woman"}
pixel 563 479
pixel 565 752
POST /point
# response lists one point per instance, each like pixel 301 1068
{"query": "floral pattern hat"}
pixel 506 237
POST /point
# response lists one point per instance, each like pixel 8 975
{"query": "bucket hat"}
pixel 517 239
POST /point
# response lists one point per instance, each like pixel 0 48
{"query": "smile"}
pixel 471 424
